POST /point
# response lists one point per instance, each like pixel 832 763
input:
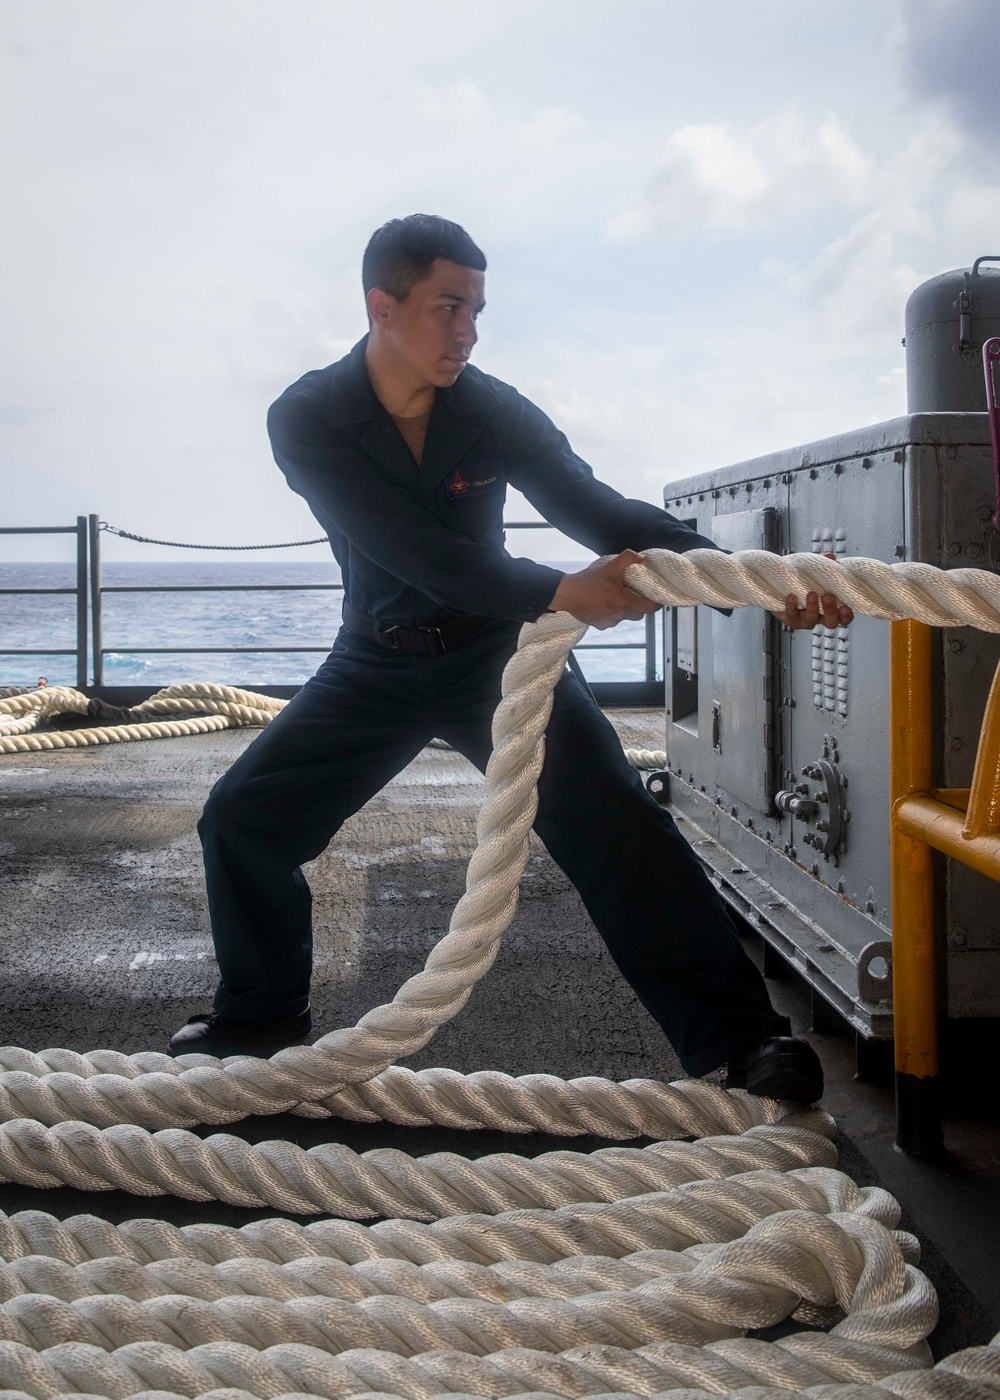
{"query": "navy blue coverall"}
pixel 417 546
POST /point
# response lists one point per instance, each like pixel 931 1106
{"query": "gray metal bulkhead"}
pixel 765 711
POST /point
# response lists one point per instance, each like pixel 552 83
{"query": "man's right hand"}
pixel 598 596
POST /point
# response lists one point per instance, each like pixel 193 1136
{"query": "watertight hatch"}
pixel 743 651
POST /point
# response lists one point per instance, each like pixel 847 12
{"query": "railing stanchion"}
pixel 78 591
pixel 650 648
pixel 914 973
pixel 96 599
pixel 81 601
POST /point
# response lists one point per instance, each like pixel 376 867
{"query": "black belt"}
pixel 420 641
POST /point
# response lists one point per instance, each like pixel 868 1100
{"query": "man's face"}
pixel 434 330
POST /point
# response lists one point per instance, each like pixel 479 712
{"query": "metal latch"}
pixel 796 802
pixel 825 809
pixel 877 985
pixel 965 346
pixel 991 358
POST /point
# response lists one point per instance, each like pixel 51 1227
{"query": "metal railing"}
pixel 80 530
pixel 98 589
pixel 964 825
pixel 91 588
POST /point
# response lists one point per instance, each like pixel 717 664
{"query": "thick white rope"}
pixel 848 1263
pixel 647 758
pixel 840 1261
pixel 208 707
pixel 59 1085
pixel 125 1322
pixel 754 577
pixel 819 1267
pixel 794 1260
pixel 358 1186
pixel 741 1370
pixel 693 1214
pixel 187 698
pixel 711 1211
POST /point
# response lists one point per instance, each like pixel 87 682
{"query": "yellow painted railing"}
pixel 964 824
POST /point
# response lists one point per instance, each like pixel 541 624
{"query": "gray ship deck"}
pixel 106 943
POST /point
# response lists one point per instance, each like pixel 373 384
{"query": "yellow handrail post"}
pixel 918 1113
pixel 983 815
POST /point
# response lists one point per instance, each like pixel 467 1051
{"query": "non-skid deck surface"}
pixel 106 937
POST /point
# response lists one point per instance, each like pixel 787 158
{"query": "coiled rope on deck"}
pixel 209 708
pixel 462 1305
pixel 82 1119
pixel 201 708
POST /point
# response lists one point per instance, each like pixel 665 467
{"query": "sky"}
pixel 702 223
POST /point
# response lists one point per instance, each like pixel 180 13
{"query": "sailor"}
pixel 403 451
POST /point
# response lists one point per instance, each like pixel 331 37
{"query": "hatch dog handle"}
pixel 991 355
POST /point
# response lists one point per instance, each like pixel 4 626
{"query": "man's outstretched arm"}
pixel 563 488
pixel 599 596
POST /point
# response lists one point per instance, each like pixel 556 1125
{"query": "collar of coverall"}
pixel 352 398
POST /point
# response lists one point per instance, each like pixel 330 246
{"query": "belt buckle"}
pixel 434 632
pixel 388 637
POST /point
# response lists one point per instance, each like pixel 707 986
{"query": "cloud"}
pixel 187 211
pixel 860 281
pixel 951 54
pixel 807 342
pixel 722 178
pixel 803 346
pixel 681 274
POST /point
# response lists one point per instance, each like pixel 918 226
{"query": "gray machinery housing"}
pixel 778 742
pixel 947 321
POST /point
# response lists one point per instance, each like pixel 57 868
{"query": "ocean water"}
pixel 243 620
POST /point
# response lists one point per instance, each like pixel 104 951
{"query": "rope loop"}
pixel 625 1271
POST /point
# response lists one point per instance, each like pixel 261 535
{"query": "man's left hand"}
pixel 819 608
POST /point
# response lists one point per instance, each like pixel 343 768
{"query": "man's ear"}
pixel 380 305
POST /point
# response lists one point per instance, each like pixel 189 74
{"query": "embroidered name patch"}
pixel 475 480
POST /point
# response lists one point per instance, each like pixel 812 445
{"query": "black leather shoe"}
pixel 780 1067
pixel 213 1035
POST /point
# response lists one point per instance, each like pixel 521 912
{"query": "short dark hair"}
pixel 401 252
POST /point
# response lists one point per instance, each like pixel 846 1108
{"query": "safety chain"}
pixel 175 544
